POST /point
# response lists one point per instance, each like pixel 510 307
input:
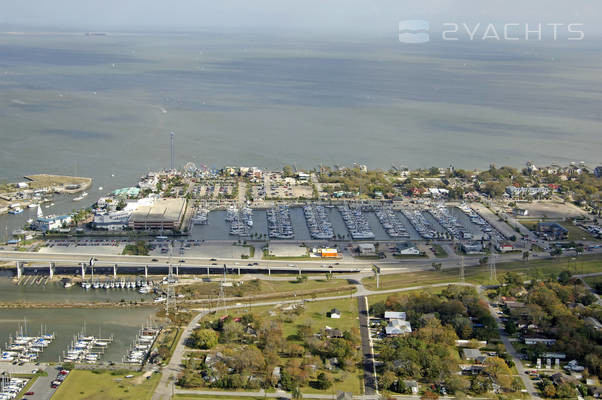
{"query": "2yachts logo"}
pixel 418 31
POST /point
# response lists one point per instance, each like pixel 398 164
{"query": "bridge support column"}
pixel 51 270
pixel 238 271
pixel 207 271
pixel 115 271
pixel 299 270
pixel 83 271
pixel 146 272
pixel 269 272
pixel 19 269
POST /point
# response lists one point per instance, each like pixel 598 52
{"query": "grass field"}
pixel 480 275
pixel 88 385
pixel 285 288
pixel 575 232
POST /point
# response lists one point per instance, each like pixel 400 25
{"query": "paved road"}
pixel 370 383
pixel 41 387
pixel 173 369
pixel 515 356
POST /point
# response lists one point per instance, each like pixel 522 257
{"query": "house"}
pixel 505 247
pixel 472 248
pixel 537 340
pixel 412 385
pixel 395 315
pixel 334 313
pixel 516 192
pixel 366 248
pixel 474 355
pixel 520 212
pixel 560 378
pixel 333 332
pixel 471 354
pixel 574 367
pixel 552 230
pixel 276 373
pixel 407 249
pixel 398 327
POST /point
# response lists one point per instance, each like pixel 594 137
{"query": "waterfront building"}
pixel 162 214
pixel 52 222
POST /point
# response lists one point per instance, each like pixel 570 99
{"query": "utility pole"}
pixel 170 301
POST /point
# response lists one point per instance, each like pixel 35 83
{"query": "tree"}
pixel 204 338
pixel 287 171
pixel 564 277
pixel 566 391
pixel 498 370
pixel 324 381
pixel 549 390
pixel 387 380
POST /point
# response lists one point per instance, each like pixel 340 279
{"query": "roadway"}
pixel 316 266
pixel 41 387
pixel 370 383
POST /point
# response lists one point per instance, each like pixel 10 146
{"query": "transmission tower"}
pixel 221 302
pixel 172 135
pixel 170 302
pixel 462 268
pixel 492 271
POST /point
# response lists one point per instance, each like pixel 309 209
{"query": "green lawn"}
pixel 87 385
pixel 534 268
pixel 316 312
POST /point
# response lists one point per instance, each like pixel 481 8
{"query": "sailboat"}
pixel 40 215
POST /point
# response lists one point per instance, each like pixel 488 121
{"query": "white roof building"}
pixel 395 315
pixel 398 327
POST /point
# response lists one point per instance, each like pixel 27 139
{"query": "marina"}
pixel 356 223
pixel 142 345
pixel 317 222
pixel 86 348
pixel 241 220
pixel 120 324
pixel 419 222
pixel 279 223
pixel 25 348
pixel 391 222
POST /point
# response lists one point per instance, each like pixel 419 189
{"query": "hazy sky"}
pixel 329 16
